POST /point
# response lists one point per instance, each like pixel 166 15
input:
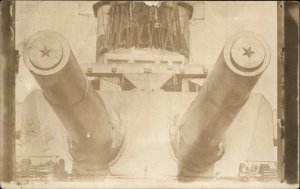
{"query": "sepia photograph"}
pixel 149 94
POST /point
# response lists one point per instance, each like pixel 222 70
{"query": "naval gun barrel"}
pixel 81 110
pixel 200 129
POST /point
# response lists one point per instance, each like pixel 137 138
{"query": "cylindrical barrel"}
pixel 227 87
pixel 81 110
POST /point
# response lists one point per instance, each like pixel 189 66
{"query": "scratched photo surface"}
pixel 146 94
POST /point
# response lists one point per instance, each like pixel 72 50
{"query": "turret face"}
pixel 130 24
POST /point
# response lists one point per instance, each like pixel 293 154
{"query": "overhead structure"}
pixel 126 24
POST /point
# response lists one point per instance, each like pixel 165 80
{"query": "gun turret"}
pixel 196 141
pixel 50 59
